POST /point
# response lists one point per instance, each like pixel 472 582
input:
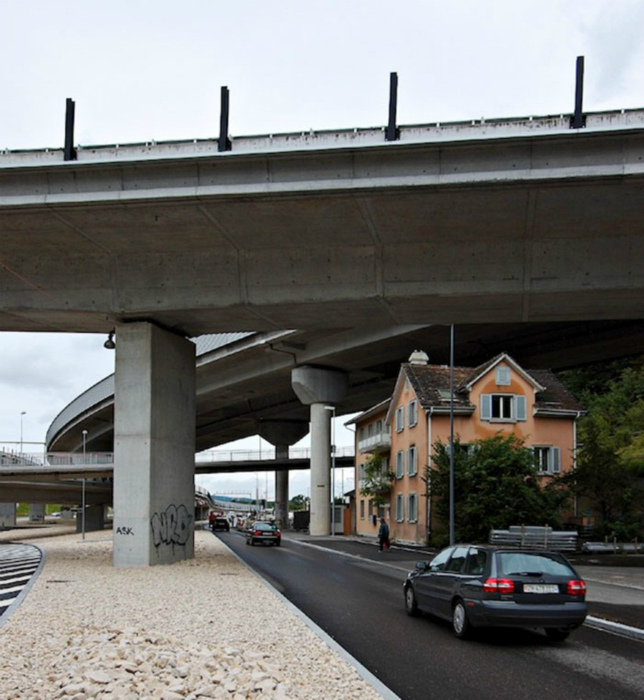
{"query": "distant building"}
pixel 497 396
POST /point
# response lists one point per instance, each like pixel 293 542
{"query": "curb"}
pixel 361 670
pixel 614 628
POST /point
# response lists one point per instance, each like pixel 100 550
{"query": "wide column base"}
pixel 154 447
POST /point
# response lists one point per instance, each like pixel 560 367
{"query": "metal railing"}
pixel 61 459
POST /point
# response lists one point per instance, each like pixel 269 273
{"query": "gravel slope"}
pixel 202 628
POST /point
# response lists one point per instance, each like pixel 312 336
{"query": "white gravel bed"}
pixel 201 628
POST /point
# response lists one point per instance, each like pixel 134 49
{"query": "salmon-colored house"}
pixel 497 396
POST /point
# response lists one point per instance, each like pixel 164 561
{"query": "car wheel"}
pixel 556 634
pixel 411 606
pixel 278 543
pixel 460 623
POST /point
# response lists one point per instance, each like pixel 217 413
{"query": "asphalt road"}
pixel 359 603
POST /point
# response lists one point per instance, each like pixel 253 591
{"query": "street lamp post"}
pixel 22 414
pixel 332 409
pixel 83 497
pixel 451 435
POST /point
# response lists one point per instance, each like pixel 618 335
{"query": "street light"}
pixel 332 409
pixel 22 413
pixel 83 497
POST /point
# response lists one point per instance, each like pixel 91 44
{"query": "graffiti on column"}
pixel 171 528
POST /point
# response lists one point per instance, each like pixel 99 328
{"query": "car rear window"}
pixel 514 563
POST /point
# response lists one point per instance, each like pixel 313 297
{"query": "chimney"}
pixel 418 357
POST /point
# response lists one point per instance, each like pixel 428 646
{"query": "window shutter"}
pixel 555 456
pixel 521 407
pixel 486 406
pixel 400 467
pixel 400 509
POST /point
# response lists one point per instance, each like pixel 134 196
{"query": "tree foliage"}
pixel 609 476
pixel 378 480
pixel 495 486
pixel 299 502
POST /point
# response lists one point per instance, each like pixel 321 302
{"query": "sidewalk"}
pixel 615 592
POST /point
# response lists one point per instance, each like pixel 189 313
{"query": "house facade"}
pixel 499 396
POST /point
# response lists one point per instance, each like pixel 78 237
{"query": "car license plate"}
pixel 540 588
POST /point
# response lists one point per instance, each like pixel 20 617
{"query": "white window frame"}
pixel 510 408
pixel 412 508
pixel 551 455
pixel 400 508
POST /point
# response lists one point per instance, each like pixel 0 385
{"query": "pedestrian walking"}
pixel 383 535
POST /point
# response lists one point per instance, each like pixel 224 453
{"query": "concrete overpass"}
pixel 501 221
pixel 515 221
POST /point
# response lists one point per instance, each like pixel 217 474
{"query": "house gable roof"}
pixel 431 384
pixel 483 369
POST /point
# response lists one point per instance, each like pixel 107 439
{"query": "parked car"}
pixel 482 586
pixel 220 524
pixel 266 533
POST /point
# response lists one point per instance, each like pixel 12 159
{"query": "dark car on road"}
pixel 220 524
pixel 481 586
pixel 266 533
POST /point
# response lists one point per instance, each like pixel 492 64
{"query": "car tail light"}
pixel 576 587
pixel 498 585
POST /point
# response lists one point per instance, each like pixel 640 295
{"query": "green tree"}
pixel 378 480
pixel 495 486
pixel 609 477
pixel 298 502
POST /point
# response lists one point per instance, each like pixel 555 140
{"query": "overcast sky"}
pixel 143 70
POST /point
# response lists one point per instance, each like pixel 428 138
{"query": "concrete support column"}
pixel 320 523
pixel 320 389
pixel 282 434
pixel 281 498
pixel 8 515
pixel 37 512
pixel 154 446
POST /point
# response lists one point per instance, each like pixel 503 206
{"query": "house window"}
pixel 412 508
pixel 412 414
pixel 400 464
pixel 400 508
pixel 547 459
pixel 361 509
pixel 412 461
pixel 503 407
pixel 400 419
pixel 361 434
pixel 502 376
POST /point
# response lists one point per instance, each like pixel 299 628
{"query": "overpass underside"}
pixel 515 221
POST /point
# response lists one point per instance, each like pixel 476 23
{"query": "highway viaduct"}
pixel 504 222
